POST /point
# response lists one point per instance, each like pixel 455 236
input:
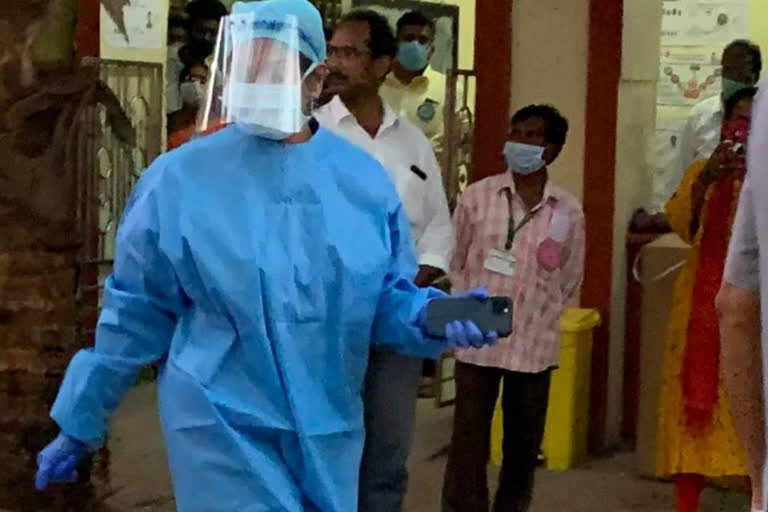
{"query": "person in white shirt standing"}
pixel 416 92
pixel 360 55
pixel 741 66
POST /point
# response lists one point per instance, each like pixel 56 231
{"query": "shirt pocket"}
pixel 411 184
pixel 490 234
pixel 547 280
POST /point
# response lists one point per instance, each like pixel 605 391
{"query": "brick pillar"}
pixel 44 151
pixel 38 318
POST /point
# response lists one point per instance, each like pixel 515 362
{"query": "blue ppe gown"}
pixel 258 273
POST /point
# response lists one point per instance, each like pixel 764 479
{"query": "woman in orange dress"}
pixel 697 442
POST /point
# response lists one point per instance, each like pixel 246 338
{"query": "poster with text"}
pixel 688 75
pixel 145 26
pixel 701 22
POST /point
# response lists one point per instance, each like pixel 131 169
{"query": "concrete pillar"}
pixel 549 65
pixel 634 169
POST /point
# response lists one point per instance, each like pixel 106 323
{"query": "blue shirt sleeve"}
pixel 401 301
pixel 142 301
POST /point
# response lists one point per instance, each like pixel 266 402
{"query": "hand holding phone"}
pixel 488 314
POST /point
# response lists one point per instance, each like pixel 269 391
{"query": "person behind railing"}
pixel 190 40
pixel 182 124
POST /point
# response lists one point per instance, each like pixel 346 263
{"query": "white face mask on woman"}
pixel 524 158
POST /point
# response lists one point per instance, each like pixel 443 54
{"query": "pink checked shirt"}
pixel 481 222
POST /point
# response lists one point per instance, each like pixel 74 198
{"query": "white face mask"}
pixel 268 110
pixel 524 158
pixel 191 93
pixel 272 111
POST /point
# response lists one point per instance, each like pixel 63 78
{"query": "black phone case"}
pixel 491 314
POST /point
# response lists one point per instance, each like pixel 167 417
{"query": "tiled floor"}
pixel 141 479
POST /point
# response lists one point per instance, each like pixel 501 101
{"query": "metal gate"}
pixel 111 168
pixel 459 132
pixel 457 172
pixel 330 11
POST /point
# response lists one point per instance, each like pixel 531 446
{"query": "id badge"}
pixel 501 262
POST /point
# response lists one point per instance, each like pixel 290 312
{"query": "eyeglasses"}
pixel 346 52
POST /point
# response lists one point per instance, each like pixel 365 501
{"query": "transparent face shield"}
pixel 256 78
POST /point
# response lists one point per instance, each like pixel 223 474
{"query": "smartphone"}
pixel 491 314
pixel 735 130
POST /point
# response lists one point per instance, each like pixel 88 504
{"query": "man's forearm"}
pixel 742 368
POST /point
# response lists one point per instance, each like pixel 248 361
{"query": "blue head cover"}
pixel 270 18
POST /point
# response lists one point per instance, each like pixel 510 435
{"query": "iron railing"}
pixel 456 161
pixel 110 169
pixel 459 132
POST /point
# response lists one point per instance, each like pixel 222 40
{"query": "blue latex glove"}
pixel 57 462
pixel 462 334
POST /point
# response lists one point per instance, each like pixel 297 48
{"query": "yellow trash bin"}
pixel 565 435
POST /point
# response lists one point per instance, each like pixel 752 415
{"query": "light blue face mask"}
pixel 524 158
pixel 413 56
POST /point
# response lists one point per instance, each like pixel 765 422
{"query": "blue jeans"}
pixel 391 388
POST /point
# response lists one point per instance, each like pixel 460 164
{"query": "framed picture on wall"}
pixel 446 19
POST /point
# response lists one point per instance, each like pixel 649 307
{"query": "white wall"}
pixel 549 65
pixel 634 170
pixel 154 55
pixel 134 54
pixel 466 30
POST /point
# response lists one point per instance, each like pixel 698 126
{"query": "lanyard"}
pixel 512 230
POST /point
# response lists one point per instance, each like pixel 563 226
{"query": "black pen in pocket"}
pixel 418 172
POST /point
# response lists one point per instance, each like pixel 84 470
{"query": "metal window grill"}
pixel 456 161
pixel 111 167
pixel 459 133
pixel 330 10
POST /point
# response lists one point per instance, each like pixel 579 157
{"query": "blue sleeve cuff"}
pixel 412 340
pixel 92 389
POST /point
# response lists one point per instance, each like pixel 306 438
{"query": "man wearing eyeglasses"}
pixel 360 55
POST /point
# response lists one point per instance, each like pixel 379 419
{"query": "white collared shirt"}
pixel 404 151
pixel 699 139
pixel 701 135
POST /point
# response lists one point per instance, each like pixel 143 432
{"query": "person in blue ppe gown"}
pixel 255 265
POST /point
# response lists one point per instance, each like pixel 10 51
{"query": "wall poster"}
pixel 702 22
pixel 688 75
pixel 135 24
